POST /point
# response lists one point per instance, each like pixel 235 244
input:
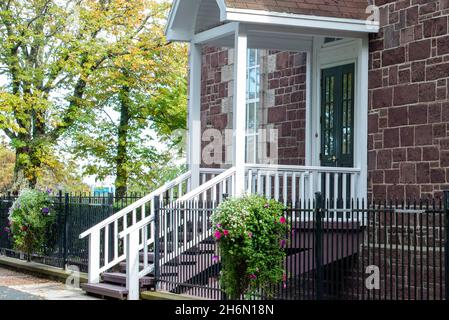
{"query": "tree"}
pixel 7 161
pixel 143 99
pixel 53 55
pixel 61 176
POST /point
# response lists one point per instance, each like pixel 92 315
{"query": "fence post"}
pixel 446 245
pixel 319 206
pixel 156 241
pixel 66 228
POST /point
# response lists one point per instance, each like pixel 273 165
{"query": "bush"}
pixel 251 233
pixel 30 218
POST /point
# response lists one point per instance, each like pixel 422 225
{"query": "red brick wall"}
pixel 408 100
pixel 288 113
pixel 283 87
pixel 216 93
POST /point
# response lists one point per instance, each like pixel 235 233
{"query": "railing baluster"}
pixel 250 180
pixel 293 189
pixel 345 179
pixel 268 184
pixel 284 187
pixel 259 182
pixel 276 185
pixel 115 239
pixel 336 191
pixel 106 245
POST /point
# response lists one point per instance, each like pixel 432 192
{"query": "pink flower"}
pixel 217 234
pixel 284 285
pixel 218 225
pixel 282 220
pixel 225 232
pixel 282 243
pixel 250 234
pixel 284 277
pixel 252 276
pixel 214 258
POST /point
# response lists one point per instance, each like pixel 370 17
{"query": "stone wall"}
pixel 408 100
pixel 282 106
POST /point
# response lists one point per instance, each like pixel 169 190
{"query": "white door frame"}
pixel 333 54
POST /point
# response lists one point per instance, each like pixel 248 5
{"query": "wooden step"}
pixel 120 279
pixel 150 257
pixel 106 290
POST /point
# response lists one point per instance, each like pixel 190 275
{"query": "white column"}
pixel 94 257
pixel 309 125
pixel 361 134
pixel 194 120
pixel 132 265
pixel 239 108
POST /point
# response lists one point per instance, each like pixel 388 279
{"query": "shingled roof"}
pixel 349 9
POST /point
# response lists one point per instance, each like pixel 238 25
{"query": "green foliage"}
pixel 66 62
pixel 251 233
pixel 30 218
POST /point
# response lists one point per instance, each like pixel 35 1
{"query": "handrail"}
pixel 275 167
pixel 137 226
pixel 205 186
pixel 136 204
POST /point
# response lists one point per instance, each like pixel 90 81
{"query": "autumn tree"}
pixel 54 56
pixel 142 99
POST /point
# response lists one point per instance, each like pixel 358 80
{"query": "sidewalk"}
pixel 19 286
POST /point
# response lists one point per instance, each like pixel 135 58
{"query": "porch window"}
pixel 252 104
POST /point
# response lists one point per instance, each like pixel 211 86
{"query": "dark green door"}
pixel 337 116
pixel 337 123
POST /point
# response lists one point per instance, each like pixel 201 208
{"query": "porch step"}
pixel 120 279
pixel 106 290
pixel 150 257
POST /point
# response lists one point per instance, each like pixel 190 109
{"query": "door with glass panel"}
pixel 337 124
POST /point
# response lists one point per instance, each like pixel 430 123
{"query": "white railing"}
pixel 299 183
pixel 172 221
pixel 132 232
pixel 105 248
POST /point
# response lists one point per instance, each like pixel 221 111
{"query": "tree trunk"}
pixel 23 173
pixel 121 182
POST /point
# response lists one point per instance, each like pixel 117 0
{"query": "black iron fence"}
pixel 75 213
pixel 335 250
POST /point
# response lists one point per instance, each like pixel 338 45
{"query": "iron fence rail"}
pixel 377 251
pixel 75 212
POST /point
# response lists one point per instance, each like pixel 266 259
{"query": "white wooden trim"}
pixel 215 33
pixel 239 108
pixel 309 92
pixel 299 20
pixel 334 54
pixel 194 125
pixel 362 119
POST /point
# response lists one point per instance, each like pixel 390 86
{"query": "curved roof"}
pixel 348 9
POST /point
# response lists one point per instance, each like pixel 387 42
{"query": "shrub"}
pixel 251 233
pixel 30 218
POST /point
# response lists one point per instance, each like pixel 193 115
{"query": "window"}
pixel 252 104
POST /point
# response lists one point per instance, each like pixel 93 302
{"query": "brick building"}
pixel 408 103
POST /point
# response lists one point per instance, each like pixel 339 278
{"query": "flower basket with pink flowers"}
pixel 251 235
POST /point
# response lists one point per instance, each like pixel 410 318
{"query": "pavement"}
pixel 20 286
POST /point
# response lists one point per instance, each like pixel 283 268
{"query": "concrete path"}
pixel 19 286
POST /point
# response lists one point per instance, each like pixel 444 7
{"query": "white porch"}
pixel 284 181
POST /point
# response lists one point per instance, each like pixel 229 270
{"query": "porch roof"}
pixel 189 17
pixel 348 9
